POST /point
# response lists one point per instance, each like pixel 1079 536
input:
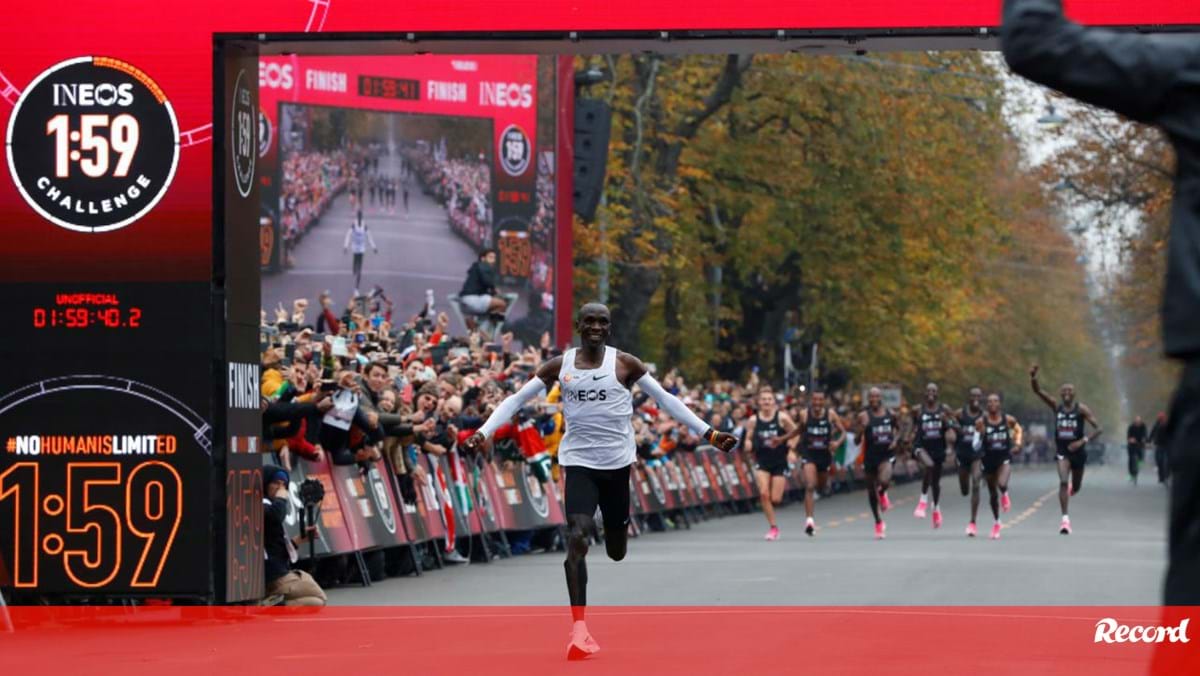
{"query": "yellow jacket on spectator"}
pixel 553 439
pixel 272 380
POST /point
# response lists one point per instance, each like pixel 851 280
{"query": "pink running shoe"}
pixel 582 645
pixel 996 531
pixel 1065 527
pixel 919 512
pixel 884 502
pixel 880 530
pixel 971 531
pixel 810 526
pixel 1005 502
pixel 937 518
pixel 773 534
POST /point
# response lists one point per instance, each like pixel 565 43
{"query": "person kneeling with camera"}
pixel 284 585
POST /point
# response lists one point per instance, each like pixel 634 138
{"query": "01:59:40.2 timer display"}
pixel 85 318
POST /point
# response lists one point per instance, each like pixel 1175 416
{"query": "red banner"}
pixel 985 641
pixel 497 87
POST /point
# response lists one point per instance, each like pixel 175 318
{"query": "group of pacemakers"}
pixel 983 438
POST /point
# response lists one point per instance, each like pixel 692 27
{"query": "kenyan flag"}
pixel 458 475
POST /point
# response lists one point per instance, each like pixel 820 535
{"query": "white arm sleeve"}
pixel 977 440
pixel 513 403
pixel 671 404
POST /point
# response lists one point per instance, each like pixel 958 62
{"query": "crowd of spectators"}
pixel 463 185
pixel 541 230
pixel 356 382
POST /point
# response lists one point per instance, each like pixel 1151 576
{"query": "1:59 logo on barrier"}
pixel 93 144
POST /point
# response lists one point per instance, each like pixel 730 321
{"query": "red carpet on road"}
pixel 634 640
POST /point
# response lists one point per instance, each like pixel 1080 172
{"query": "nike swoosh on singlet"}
pixel 599 377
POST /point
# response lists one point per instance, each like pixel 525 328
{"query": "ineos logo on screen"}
pixel 241 136
pixel 92 144
pixel 515 150
pixel 505 94
pixel 275 75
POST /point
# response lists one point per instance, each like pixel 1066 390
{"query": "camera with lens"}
pixel 312 493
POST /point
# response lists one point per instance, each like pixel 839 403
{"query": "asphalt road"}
pixel 417 251
pixel 1116 556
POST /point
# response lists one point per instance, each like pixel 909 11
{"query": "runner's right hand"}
pixel 474 442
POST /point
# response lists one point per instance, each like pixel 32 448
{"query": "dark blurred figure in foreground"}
pixel 1157 438
pixel 1154 79
pixel 1136 448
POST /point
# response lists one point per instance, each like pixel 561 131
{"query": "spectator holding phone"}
pixel 344 414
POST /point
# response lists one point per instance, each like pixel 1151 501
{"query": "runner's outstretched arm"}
pixel 546 376
pixel 637 374
pixel 1037 389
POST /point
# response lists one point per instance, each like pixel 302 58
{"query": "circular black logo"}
pixel 92 144
pixel 264 134
pixel 244 120
pixel 515 150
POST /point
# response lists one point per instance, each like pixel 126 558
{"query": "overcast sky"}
pixel 1025 103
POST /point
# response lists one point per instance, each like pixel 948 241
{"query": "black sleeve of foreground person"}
pixel 1128 73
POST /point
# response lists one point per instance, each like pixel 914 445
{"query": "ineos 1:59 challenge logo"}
pixel 515 150
pixel 92 144
pixel 244 120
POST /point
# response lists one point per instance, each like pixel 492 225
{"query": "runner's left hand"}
pixel 725 441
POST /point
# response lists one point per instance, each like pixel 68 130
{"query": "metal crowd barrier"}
pixel 369 507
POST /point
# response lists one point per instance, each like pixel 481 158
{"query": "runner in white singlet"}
pixel 598 449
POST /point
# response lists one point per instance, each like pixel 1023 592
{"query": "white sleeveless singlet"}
pixel 597 409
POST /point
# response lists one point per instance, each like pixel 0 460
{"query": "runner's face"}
pixel 974 397
pixel 874 398
pixel 931 393
pixel 993 404
pixel 818 401
pixel 766 403
pixel 1067 392
pixel 594 327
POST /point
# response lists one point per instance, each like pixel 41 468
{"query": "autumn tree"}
pixel 869 205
